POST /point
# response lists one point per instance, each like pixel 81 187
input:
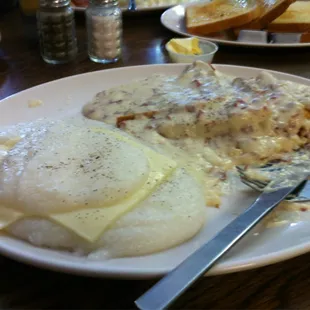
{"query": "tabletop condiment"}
pixel 188 46
pixel 104 27
pixel 56 28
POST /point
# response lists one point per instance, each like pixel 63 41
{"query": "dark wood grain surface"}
pixel 284 285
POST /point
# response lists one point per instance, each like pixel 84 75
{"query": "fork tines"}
pixel 247 180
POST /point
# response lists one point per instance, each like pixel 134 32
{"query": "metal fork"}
pixel 301 194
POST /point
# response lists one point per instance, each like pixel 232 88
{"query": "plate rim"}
pixel 9 250
pixel 136 274
pixel 126 10
pixel 168 11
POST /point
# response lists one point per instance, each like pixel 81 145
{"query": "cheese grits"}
pixel 80 185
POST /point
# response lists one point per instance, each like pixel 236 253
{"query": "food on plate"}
pixel 218 15
pixel 134 176
pixel 84 186
pixel 188 46
pixel 269 10
pixel 295 19
pixel 208 121
pixel 34 103
pixel 276 16
pixel 304 37
pixel 191 49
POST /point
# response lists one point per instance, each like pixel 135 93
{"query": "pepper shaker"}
pixel 56 28
pixel 104 27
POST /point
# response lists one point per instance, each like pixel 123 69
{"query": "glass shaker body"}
pixel 104 29
pixel 56 28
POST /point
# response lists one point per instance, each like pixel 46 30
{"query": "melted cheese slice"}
pixel 8 216
pixel 89 223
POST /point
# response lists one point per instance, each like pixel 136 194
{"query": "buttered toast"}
pixel 269 10
pixel 218 15
pixel 295 19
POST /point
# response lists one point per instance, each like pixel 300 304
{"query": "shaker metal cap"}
pixel 54 3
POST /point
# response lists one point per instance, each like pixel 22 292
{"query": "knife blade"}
pixel 304 194
pixel 169 288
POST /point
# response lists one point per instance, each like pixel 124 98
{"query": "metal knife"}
pixel 169 288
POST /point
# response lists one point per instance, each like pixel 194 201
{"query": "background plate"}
pixel 145 8
pixel 67 96
pixel 174 20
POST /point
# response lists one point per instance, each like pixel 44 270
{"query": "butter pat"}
pixel 189 46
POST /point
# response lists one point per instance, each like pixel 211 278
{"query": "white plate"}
pixel 83 8
pixel 150 9
pixel 174 20
pixel 138 9
pixel 67 96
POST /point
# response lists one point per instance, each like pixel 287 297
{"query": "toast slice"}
pixel 269 11
pixel 295 19
pixel 218 15
pixel 305 37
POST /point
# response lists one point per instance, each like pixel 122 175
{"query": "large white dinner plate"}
pixel 174 20
pixel 66 96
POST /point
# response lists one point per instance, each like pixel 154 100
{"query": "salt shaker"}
pixel 104 27
pixel 56 28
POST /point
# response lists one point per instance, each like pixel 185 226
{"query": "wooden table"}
pixel 285 285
